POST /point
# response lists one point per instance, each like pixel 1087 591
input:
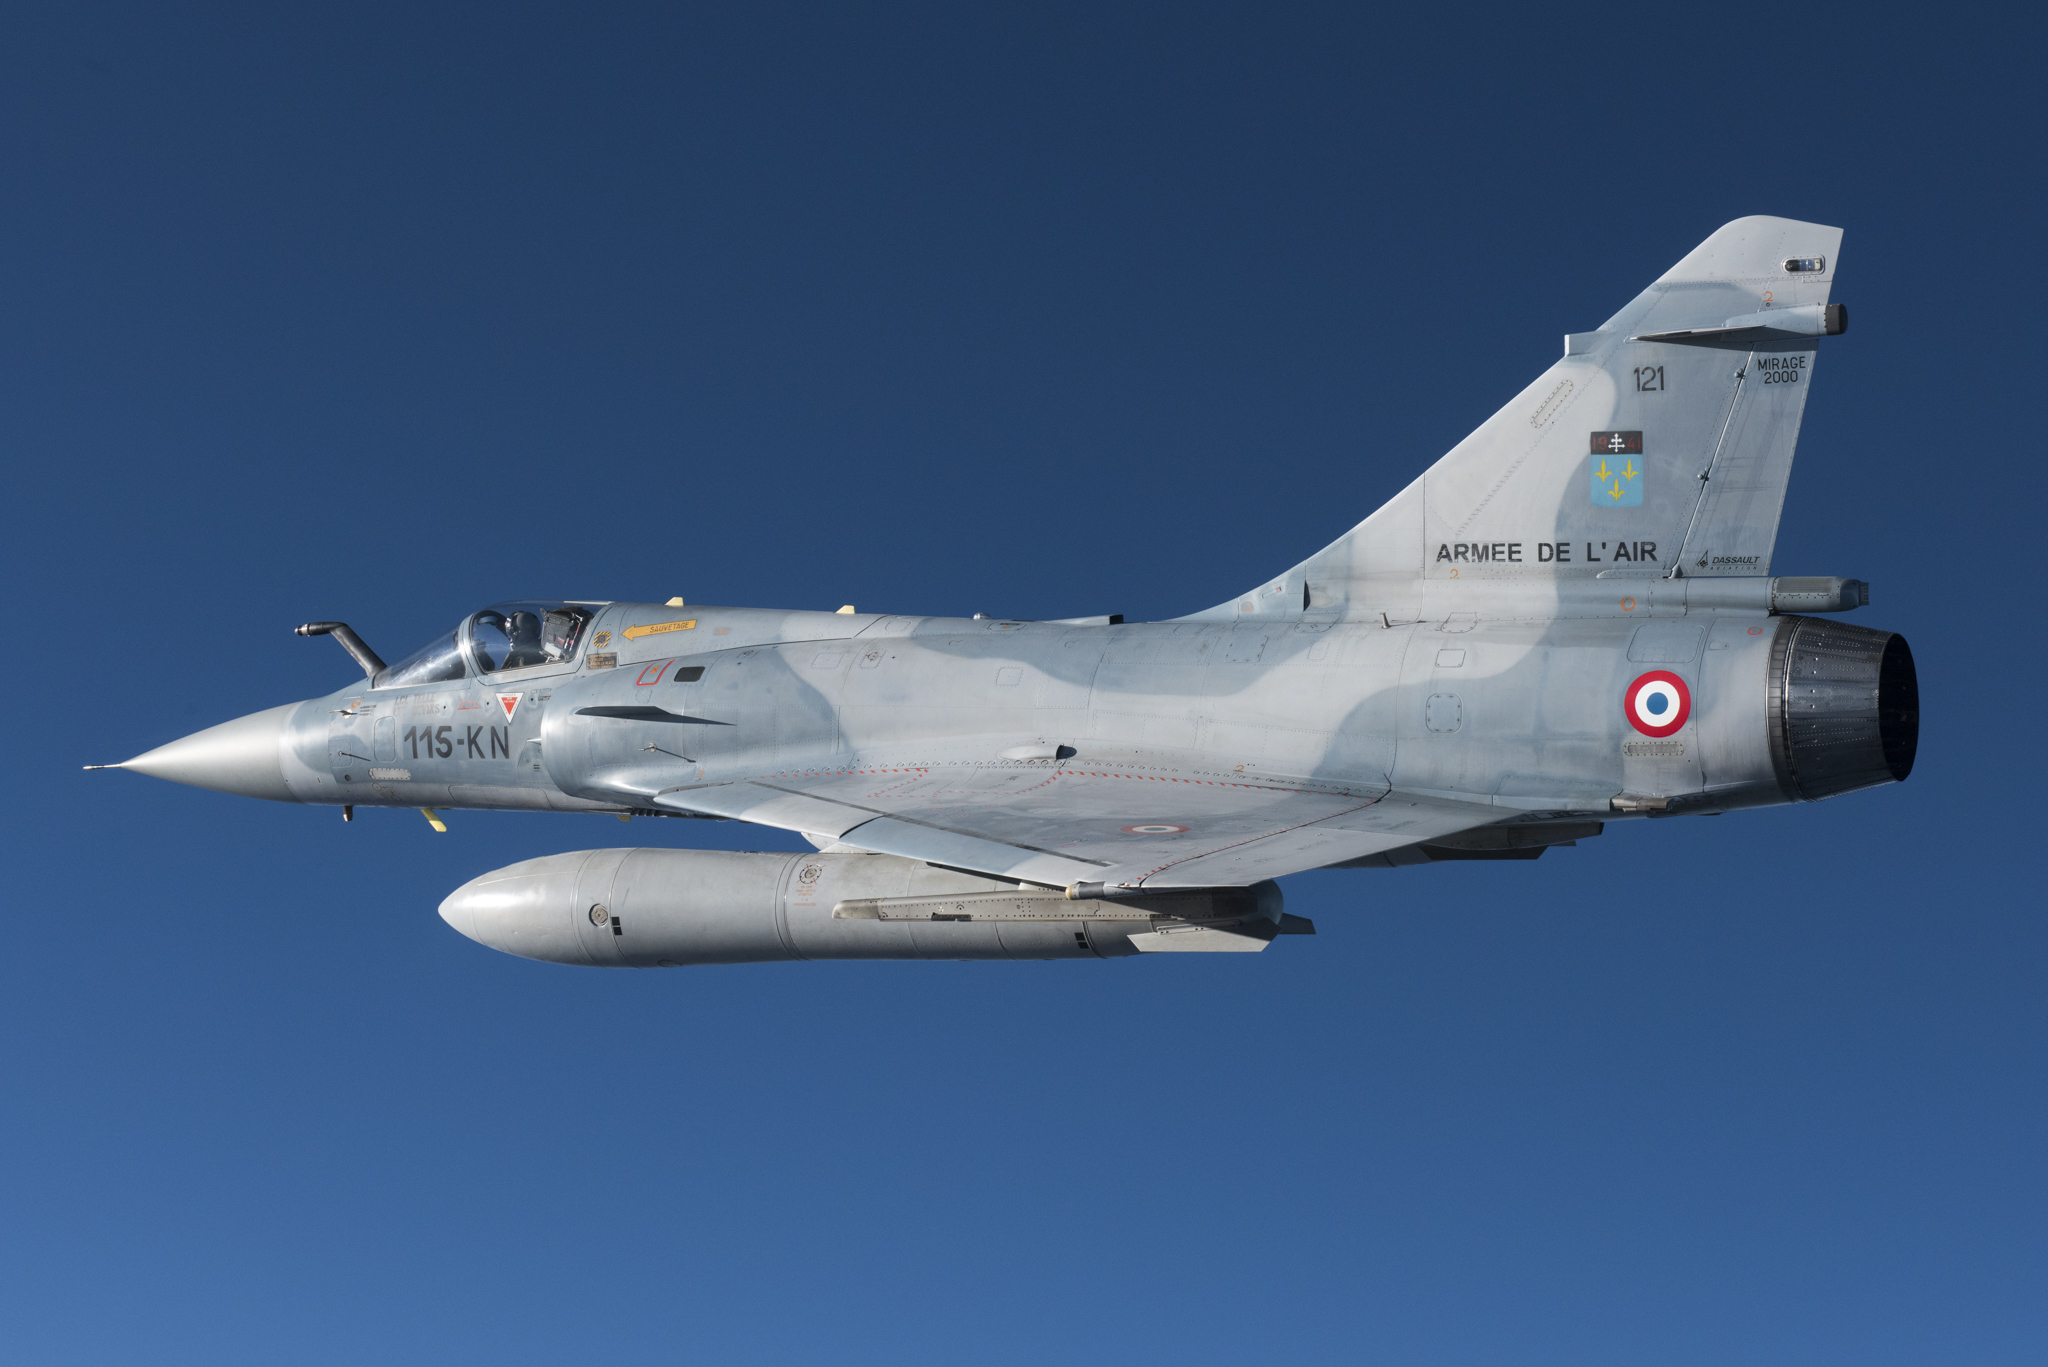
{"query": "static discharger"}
pixel 434 819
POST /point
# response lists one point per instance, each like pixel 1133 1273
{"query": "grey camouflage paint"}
pixel 1456 662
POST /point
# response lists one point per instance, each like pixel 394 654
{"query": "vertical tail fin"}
pixel 1660 444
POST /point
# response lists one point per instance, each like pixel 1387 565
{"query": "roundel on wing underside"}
pixel 1658 703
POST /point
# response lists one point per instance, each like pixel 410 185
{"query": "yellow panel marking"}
pixel 635 633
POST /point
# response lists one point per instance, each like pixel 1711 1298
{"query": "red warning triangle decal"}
pixel 510 702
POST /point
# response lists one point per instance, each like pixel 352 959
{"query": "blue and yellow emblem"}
pixel 1617 469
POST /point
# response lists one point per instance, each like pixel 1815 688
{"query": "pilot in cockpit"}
pixel 525 650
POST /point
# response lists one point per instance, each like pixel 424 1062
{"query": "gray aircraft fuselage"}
pixel 1518 714
pixel 1568 618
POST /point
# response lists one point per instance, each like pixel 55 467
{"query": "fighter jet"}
pixel 1568 620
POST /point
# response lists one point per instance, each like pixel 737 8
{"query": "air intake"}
pixel 1844 708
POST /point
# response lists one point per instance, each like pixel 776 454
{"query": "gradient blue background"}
pixel 383 312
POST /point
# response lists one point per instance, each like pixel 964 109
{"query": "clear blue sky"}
pixel 383 312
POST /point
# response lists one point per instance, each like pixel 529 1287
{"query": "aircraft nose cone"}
pixel 239 756
pixel 526 909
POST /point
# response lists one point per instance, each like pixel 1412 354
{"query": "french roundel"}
pixel 1658 703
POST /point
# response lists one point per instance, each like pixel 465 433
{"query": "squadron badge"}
pixel 1617 469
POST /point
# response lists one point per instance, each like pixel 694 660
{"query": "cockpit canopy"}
pixel 503 638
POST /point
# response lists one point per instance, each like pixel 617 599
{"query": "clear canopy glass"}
pixel 438 661
pixel 502 638
pixel 507 636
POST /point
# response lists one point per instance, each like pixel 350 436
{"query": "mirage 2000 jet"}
pixel 1570 619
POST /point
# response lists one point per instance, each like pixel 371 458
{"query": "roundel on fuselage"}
pixel 1658 703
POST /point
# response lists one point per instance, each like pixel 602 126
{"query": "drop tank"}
pixel 669 908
